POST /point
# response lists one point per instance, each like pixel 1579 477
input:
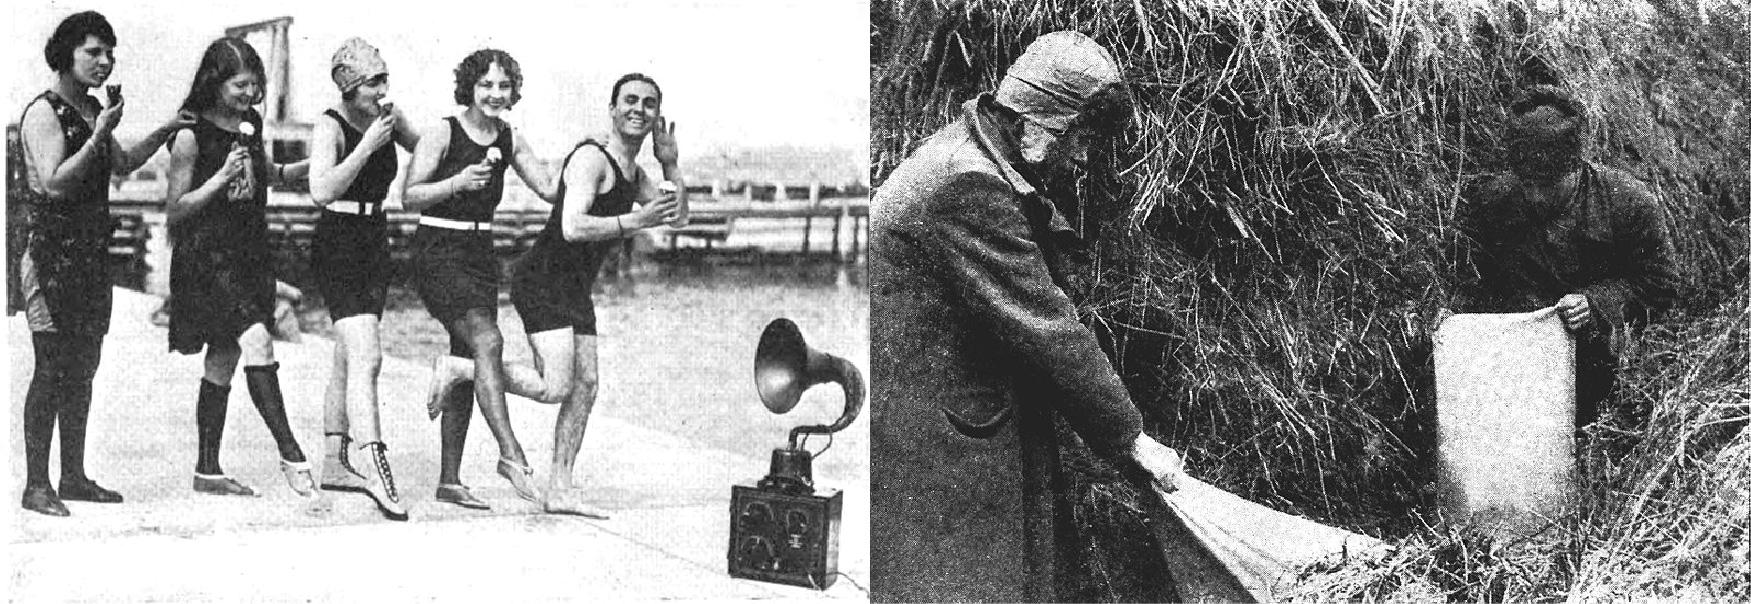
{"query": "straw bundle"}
pixel 1277 220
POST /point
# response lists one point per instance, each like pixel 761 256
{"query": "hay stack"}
pixel 1279 215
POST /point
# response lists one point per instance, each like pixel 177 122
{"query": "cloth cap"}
pixel 1056 77
pixel 355 62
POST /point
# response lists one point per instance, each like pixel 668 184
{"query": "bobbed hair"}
pixel 72 31
pixel 475 65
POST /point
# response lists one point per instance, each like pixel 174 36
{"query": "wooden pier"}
pixel 292 225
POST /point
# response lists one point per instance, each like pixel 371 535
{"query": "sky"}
pixel 735 74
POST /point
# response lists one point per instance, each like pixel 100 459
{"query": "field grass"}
pixel 1277 222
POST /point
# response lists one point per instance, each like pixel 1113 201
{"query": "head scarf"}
pixel 1056 78
pixel 356 62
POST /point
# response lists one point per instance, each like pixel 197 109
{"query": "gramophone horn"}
pixel 785 366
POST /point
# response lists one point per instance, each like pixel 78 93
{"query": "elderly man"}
pixel 1558 229
pixel 977 347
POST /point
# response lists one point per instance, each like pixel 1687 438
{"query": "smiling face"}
pixel 368 97
pixel 240 92
pixel 93 60
pixel 492 92
pixel 637 108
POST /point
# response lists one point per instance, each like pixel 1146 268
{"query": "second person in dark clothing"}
pixel 352 164
pixel 456 182
pixel 1558 229
pixel 221 280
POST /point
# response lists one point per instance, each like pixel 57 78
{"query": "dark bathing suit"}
pixel 457 270
pixel 550 284
pixel 349 258
pixel 63 274
pixel 221 271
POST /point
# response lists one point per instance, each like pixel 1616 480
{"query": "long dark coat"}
pixel 975 347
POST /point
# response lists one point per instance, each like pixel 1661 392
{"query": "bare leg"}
pixel 453 432
pixel 550 381
pixel 568 431
pixel 338 473
pixel 364 362
pixel 482 329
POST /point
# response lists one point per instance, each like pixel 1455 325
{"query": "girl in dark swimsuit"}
pixel 456 182
pixel 352 163
pixel 222 289
pixel 70 152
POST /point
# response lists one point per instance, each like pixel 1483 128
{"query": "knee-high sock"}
pixel 210 426
pixel 75 408
pixel 41 405
pixel 453 431
pixel 264 389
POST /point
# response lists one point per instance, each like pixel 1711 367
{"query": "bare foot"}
pixel 437 389
pixel 564 502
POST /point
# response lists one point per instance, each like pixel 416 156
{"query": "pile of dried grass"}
pixel 1280 212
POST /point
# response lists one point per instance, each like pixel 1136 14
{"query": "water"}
pixel 676 350
pixel 676 345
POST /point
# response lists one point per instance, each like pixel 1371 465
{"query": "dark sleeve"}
pixel 985 254
pixel 1645 280
pixel 1473 262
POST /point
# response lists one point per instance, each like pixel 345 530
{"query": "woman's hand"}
pixel 473 177
pixel 236 163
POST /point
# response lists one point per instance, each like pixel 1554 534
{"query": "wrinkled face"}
pixel 368 96
pixel 92 62
pixel 492 92
pixel 1054 152
pixel 241 92
pixel 637 109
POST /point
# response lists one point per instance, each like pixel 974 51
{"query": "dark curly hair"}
pixel 225 58
pixel 614 95
pixel 474 66
pixel 71 33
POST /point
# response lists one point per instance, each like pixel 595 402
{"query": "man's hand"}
pixel 1575 311
pixel 656 211
pixel 663 143
pixel 1162 463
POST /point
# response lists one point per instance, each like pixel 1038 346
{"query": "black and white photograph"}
pixel 879 300
pixel 1320 301
pixel 514 301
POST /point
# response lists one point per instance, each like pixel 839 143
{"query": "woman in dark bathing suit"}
pixel 456 182
pixel 352 163
pixel 221 284
pixel 70 152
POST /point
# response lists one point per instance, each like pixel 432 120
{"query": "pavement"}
pixel 667 494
